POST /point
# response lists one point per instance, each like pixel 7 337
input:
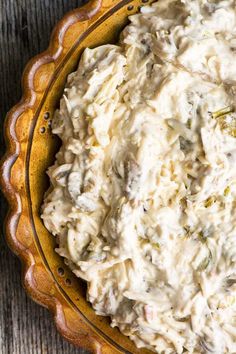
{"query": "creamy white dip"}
pixel 143 190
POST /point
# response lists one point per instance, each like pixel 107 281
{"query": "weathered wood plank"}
pixel 25 29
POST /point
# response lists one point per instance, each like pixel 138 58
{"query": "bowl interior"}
pixel 41 154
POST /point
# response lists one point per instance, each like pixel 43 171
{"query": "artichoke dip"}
pixel 143 196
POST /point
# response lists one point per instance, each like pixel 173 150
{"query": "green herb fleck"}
pixel 226 191
pixel 210 201
pixel 222 112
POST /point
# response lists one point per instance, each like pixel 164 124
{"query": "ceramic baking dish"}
pixel 31 150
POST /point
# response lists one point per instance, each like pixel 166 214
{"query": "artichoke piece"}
pixel 185 145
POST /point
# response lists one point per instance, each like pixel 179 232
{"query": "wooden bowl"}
pixel 31 150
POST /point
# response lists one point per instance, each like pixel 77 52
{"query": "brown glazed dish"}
pixel 31 149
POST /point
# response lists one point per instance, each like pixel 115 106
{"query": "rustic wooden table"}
pixel 25 328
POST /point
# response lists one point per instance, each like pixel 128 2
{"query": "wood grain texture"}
pixel 25 328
